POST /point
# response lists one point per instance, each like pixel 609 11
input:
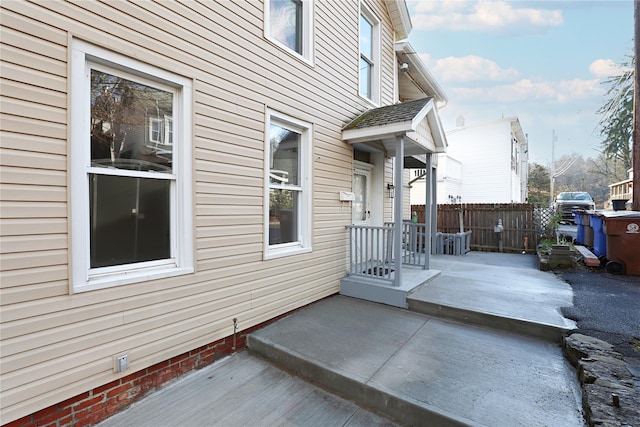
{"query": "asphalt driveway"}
pixel 607 307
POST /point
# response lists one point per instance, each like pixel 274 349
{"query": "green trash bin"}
pixel 622 232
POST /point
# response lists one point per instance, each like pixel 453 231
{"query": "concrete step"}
pixel 243 390
pixel 516 299
pixel 419 370
pixel 550 332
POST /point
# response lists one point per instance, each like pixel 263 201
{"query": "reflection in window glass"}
pixel 285 184
pixel 366 57
pixel 284 164
pixel 287 207
pixel 365 78
pixel 131 124
pixel 366 37
pixel 286 23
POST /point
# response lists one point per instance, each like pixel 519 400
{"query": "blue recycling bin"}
pixel 599 238
pixel 578 219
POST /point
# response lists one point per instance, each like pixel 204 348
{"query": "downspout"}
pixel 397 209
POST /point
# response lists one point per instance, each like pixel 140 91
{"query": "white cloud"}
pixel 482 15
pixel 526 90
pixel 471 68
pixel 604 68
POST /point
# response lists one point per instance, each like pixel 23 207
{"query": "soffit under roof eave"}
pixel 517 129
pixel 418 72
pixel 388 146
pixel 400 18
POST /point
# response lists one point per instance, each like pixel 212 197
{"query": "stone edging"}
pixel 608 394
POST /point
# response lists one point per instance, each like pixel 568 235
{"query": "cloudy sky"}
pixel 543 61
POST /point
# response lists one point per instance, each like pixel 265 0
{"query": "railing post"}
pixel 397 208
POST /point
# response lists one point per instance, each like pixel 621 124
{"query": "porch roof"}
pixel 377 129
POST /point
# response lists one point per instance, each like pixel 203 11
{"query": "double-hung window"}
pixel 288 185
pixel 369 55
pixel 289 23
pixel 130 170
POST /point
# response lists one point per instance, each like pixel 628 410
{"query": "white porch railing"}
pixel 371 249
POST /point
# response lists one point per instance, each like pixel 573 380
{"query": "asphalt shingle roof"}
pixel 389 114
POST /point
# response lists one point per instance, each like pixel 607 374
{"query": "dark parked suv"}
pixel 566 202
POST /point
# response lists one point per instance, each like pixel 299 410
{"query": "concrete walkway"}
pixel 241 391
pixel 502 291
pixel 414 368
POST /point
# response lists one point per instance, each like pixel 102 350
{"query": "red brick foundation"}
pixel 91 407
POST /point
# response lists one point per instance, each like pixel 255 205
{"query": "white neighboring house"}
pixel 449 181
pixel 485 163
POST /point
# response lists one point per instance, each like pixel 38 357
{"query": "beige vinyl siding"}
pixel 388 179
pixel 406 199
pixel 56 344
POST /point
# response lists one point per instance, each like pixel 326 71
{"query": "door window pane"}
pixel 360 203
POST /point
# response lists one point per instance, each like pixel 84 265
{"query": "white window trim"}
pixel 303 244
pixel 307 32
pixel 375 46
pixel 83 278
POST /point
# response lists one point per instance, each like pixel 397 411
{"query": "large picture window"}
pixel 131 196
pixel 289 23
pixel 288 210
pixel 369 55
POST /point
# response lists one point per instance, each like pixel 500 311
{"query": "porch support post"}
pixel 428 209
pixel 434 208
pixel 397 209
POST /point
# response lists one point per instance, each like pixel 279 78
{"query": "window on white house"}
pixel 131 183
pixel 287 169
pixel 161 130
pixel 289 23
pixel 369 55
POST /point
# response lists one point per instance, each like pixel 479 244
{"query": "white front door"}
pixel 361 210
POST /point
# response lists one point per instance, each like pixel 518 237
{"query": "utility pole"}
pixel 635 203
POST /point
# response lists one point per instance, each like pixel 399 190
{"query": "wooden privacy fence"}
pixel 518 224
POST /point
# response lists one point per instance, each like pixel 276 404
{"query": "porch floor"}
pixel 371 289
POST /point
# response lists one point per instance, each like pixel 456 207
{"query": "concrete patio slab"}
pixel 424 371
pixel 503 291
pixel 243 390
pixel 413 368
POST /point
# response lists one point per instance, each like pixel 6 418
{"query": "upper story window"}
pixel 288 186
pixel 369 55
pixel 289 23
pixel 130 170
